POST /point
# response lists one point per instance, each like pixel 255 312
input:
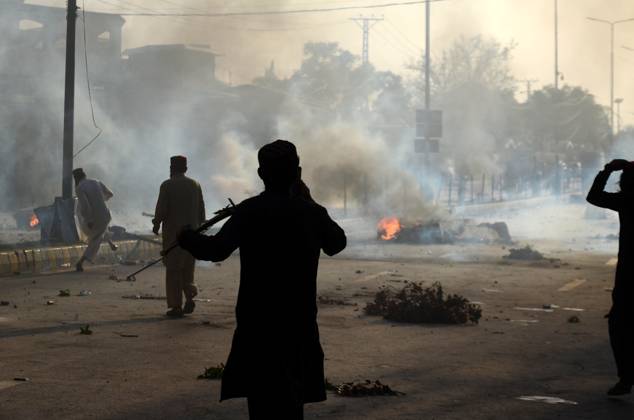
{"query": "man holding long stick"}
pixel 180 205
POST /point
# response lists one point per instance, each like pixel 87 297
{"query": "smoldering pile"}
pixel 393 229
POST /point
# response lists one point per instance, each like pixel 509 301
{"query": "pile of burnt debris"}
pixel 527 254
pixel 392 229
pixel 417 304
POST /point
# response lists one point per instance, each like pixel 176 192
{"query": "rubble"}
pixel 416 304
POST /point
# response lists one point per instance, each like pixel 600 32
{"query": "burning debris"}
pixel 26 219
pixel 416 304
pixel 389 228
pixel 392 229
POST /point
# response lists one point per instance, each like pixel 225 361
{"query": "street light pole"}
pixel 427 55
pixel 612 24
pixel 556 45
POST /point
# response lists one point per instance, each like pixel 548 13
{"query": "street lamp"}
pixel 612 23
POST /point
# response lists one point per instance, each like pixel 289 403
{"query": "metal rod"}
pixel 220 215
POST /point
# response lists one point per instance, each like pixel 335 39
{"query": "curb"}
pixel 55 259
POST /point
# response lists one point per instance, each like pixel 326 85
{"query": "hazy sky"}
pixel 247 44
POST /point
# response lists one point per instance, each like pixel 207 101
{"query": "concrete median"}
pixel 63 258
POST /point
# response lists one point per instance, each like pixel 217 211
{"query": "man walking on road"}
pixel 180 205
pixel 276 359
pixel 92 213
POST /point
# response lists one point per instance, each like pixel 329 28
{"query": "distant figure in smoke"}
pixel 92 213
pixel 276 360
pixel 621 316
pixel 180 205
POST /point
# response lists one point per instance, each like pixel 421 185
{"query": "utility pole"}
pixel 618 102
pixel 69 102
pixel 366 23
pixel 556 45
pixel 529 87
pixel 427 55
pixel 612 23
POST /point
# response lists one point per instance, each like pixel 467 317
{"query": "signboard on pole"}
pixel 428 131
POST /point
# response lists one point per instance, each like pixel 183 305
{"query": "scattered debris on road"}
pixel 547 400
pixel 520 308
pixel 85 330
pixel 323 300
pixel 144 297
pixel 114 277
pixel 213 372
pixel 416 304
pixel 362 389
pixel 526 254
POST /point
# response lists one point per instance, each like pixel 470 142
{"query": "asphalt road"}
pixel 139 365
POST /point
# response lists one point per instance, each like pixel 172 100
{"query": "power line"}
pixel 365 27
pixel 280 12
pixel 404 48
pixel 413 45
pixel 92 109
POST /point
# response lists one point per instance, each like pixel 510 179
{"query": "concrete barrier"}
pixel 55 259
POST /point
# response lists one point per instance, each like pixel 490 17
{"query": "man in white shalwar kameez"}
pixel 92 213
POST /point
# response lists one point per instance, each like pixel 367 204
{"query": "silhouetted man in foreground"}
pixel 621 316
pixel 276 360
pixel 180 205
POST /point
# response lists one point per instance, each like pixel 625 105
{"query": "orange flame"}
pixel 388 228
pixel 34 221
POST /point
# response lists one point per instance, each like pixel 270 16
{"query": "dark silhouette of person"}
pixel 621 316
pixel 276 360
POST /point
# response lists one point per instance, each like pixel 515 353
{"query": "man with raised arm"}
pixel 621 316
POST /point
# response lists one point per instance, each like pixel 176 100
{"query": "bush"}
pixel 420 305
